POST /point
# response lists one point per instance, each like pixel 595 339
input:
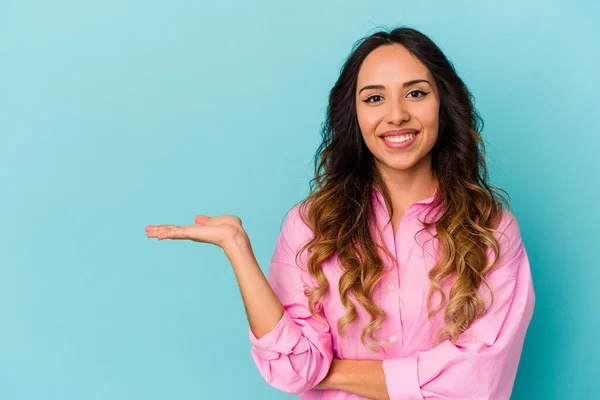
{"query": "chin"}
pixel 399 166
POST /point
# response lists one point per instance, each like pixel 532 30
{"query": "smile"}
pixel 399 142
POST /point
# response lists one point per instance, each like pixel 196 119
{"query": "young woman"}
pixel 401 275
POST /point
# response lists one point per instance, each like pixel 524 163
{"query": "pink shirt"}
pixel 296 355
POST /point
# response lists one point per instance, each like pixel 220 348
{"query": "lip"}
pixel 399 132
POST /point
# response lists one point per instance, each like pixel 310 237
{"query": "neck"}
pixel 409 186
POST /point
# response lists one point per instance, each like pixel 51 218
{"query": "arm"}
pixel 263 308
pixel 290 348
pixel 481 365
pixel 365 378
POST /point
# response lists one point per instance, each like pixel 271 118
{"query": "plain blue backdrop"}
pixel 119 114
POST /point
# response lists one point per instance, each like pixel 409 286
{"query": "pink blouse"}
pixel 296 355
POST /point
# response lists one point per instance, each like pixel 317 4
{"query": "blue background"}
pixel 119 114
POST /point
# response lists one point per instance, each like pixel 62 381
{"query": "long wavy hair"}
pixel 339 206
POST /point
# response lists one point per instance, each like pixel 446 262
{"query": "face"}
pixel 397 98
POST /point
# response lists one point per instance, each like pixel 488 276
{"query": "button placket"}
pixel 393 295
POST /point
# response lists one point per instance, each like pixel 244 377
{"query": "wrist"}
pixel 240 243
pixel 332 378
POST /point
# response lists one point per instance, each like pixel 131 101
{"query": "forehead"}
pixel 391 64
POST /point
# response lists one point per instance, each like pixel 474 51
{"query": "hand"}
pixel 223 231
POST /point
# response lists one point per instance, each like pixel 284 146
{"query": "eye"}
pixel 418 91
pixel 371 97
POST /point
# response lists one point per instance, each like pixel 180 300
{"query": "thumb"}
pixel 200 219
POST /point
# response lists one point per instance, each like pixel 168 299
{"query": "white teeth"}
pixel 399 139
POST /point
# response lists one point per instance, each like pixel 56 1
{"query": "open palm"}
pixel 221 230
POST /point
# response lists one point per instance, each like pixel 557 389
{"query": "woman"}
pixel 401 276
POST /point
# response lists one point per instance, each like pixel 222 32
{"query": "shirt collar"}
pixel 379 197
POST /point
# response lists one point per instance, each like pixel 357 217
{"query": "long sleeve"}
pixel 483 363
pixel 297 354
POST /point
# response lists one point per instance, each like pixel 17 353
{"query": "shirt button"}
pixel 390 286
pixel 393 339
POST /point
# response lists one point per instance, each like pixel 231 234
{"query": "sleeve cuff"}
pixel 401 378
pixel 283 339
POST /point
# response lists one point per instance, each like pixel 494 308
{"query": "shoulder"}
pixel 295 231
pixel 288 264
pixel 510 245
pixel 508 228
pixel 295 227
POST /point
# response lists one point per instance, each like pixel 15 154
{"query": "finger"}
pixel 154 231
pixel 158 227
pixel 172 233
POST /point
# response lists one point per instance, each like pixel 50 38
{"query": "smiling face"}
pixel 395 91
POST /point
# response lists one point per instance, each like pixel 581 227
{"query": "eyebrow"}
pixel 404 85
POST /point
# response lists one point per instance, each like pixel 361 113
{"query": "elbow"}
pixel 294 373
pixel 292 382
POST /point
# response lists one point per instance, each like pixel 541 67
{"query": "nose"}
pixel 397 113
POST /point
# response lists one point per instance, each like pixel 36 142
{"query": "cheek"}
pixel 367 120
pixel 432 136
pixel 430 123
pixel 428 116
pixel 371 120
